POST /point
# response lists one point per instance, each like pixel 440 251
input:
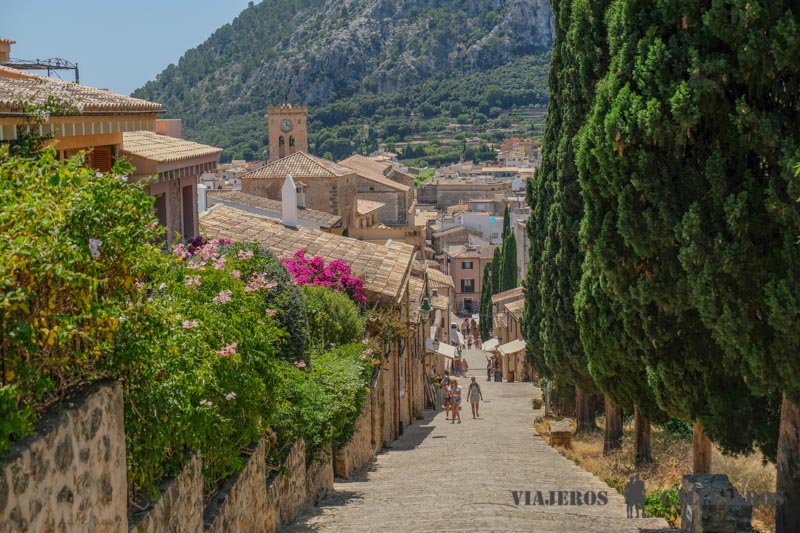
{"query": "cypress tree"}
pixel 738 240
pixel 506 224
pixel 509 270
pixel 486 305
pixel 580 40
pixel 497 264
pixel 631 164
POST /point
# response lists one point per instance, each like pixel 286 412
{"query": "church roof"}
pixel 372 171
pixel 300 165
pixel 365 207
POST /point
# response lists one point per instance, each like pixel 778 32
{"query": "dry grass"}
pixel 673 459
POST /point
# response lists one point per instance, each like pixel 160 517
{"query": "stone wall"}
pixel 319 478
pixel 180 507
pixel 242 503
pixel 359 451
pixel 70 476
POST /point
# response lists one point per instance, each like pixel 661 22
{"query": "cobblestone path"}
pixel 459 477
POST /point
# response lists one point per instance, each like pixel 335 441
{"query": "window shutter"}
pixel 100 158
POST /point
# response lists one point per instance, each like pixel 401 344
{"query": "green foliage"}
pixel 485 310
pixel 62 291
pixel 287 298
pixel 635 151
pixel 422 177
pixel 509 272
pixel 333 317
pixel 580 57
pixel 205 342
pixel 497 264
pixel 677 428
pixel 654 504
pixel 321 405
pixel 281 48
pixel 200 356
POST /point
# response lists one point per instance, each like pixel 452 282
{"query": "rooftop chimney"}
pixel 289 202
pixel 5 50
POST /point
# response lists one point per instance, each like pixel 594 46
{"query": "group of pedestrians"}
pixel 471 334
pixel 450 396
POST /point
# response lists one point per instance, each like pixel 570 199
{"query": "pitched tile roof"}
pixel 16 92
pixel 300 165
pixel 440 302
pixel 372 171
pixel 367 206
pixel 454 230
pixel 271 208
pixel 383 268
pixel 482 252
pixel 438 279
pixel 516 293
pixel 515 308
pixel 163 148
pixel 415 289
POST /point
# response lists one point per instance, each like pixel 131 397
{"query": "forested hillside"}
pixel 388 64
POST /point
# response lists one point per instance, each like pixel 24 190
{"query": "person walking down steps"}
pixel 455 401
pixel 475 397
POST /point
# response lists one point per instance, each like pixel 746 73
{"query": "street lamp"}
pixel 425 310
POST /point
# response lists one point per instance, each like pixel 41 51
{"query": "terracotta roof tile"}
pixel 508 296
pixel 438 279
pixel 372 171
pixel 162 148
pixel 384 269
pixel 271 208
pixel 16 92
pixel 367 206
pixel 300 165
pixel 515 308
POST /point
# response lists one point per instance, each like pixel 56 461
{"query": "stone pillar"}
pixel 712 505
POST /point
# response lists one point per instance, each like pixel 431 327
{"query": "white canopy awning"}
pixel 447 350
pixel 490 345
pixel 512 347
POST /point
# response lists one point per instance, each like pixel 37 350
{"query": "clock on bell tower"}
pixel 288 130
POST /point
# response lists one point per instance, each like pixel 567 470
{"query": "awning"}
pixel 490 345
pixel 447 350
pixel 512 347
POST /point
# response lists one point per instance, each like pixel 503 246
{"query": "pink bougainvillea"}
pixel 335 275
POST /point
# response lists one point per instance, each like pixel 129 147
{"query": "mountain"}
pixel 323 52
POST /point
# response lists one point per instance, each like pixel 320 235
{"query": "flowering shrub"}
pixel 73 244
pixel 335 275
pixel 201 352
pixel 210 342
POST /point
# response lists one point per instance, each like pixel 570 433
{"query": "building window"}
pixel 467 285
pixel 466 265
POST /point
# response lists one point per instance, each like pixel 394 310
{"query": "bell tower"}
pixel 288 130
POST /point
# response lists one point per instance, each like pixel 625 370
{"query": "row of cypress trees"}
pixel 502 276
pixel 665 266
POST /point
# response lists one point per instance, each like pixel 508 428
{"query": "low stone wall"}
pixel 319 479
pixel 358 452
pixel 70 476
pixel 180 507
pixel 242 503
pixel 290 485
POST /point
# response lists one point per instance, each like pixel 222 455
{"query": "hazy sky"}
pixel 118 45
